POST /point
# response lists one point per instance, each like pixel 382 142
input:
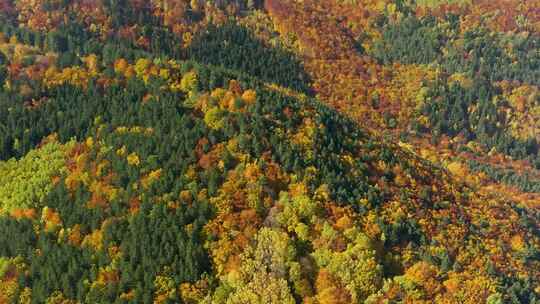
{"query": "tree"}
pixel 263 273
pixel 56 42
pixel 3 75
pixel 356 267
pixel 25 183
pixel 3 59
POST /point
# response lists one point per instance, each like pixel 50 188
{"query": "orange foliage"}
pixel 341 77
pixel 23 213
pixel 94 239
pixel 329 289
pixel 75 236
pixel 51 219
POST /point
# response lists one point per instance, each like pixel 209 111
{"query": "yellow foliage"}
pixel 8 291
pixel 423 274
pixel 193 293
pixel 218 93
pixel 322 193
pixel 195 5
pixel 344 222
pixel 122 151
pixel 91 62
pixel 458 169
pixel 164 73
pixel 214 118
pixel 94 239
pixel 127 296
pixel 297 189
pixel 151 177
pixel 165 289
pixel 462 288
pixel 154 70
pixel 58 298
pixel 451 285
pixel 305 135
pixel 524 114
pixel 249 96
pixel 461 79
pixel 133 159
pixel 141 66
pixel 26 296
pixel 517 243
pixel 189 82
pixel 76 75
pixel 89 142
pixel 187 38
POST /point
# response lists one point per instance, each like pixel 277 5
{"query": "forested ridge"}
pixel 245 151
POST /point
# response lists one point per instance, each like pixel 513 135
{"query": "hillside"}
pixel 269 152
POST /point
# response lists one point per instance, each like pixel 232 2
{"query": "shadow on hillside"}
pixel 235 47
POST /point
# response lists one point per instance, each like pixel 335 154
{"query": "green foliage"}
pixel 129 213
pixel 495 298
pixel 409 41
pixel 17 236
pixel 471 112
pixel 525 182
pixel 3 69
pixel 3 75
pixel 299 214
pixel 4 266
pixel 26 182
pixel 236 48
pixel 3 59
pixel 495 56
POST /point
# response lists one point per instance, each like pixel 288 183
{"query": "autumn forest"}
pixel 269 151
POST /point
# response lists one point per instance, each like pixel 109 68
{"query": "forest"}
pixel 269 151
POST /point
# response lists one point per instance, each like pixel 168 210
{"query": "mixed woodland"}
pixel 277 151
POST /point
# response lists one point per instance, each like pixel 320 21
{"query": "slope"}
pixel 192 183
